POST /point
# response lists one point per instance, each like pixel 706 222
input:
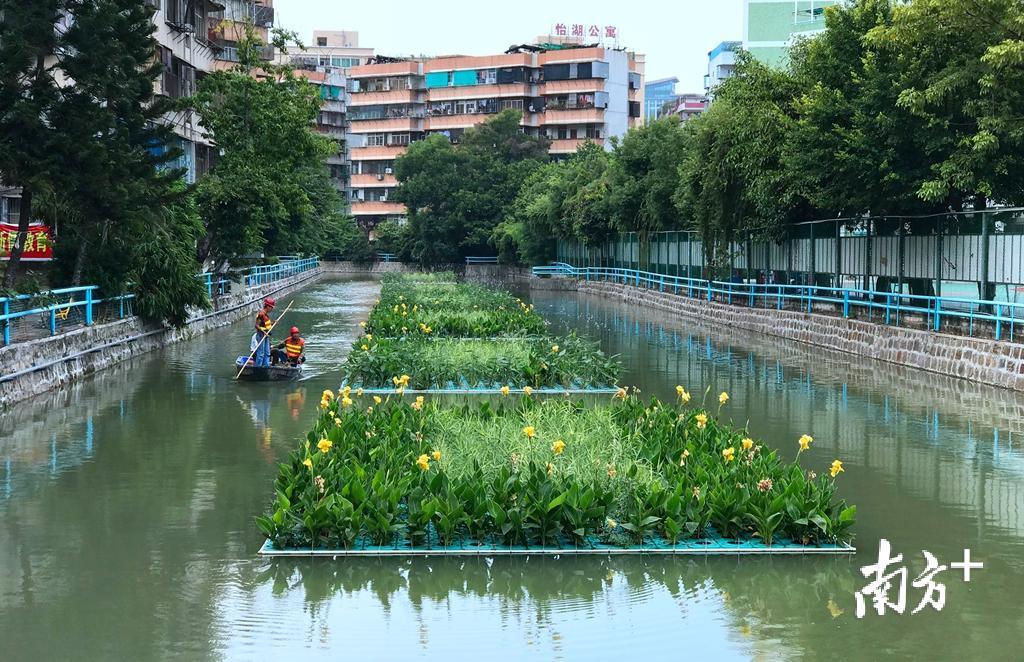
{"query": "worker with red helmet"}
pixel 263 326
pixel 294 348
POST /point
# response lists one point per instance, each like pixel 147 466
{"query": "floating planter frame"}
pixel 701 547
pixel 466 389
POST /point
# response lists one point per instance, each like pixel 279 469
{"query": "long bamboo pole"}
pixel 266 336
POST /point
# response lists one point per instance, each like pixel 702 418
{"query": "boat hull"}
pixel 272 373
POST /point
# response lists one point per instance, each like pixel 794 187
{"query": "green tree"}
pixel 28 94
pixel 733 178
pixel 644 175
pixel 457 195
pixel 961 65
pixel 268 186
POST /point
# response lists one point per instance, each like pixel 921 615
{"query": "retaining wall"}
pixel 997 363
pixel 37 366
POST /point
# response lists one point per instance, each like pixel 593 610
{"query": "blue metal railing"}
pixel 888 307
pixel 264 274
pixel 82 301
pixel 387 257
pixel 482 260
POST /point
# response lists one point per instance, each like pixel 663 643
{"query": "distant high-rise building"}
pixel 771 26
pixel 689 106
pixel 721 65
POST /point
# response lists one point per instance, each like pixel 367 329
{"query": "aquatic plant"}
pixel 552 473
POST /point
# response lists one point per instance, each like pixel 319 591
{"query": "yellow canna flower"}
pixel 418 404
pixel 621 393
pixel 550 468
pixel 346 391
pixel 369 336
pixel 554 349
pixel 377 400
pixel 328 395
pixel 558 447
pixel 530 431
pixel 610 523
pixel 747 444
pixel 728 453
pixel 685 397
pixel 359 391
pixel 702 420
pixel 723 398
pixel 325 445
pixel 805 442
pixel 362 324
pixel 436 455
pixel 346 401
pixel 423 462
pixel 527 390
pixel 325 403
pixel 309 463
pixel 505 390
pixel 365 348
pixel 369 410
pixel 836 468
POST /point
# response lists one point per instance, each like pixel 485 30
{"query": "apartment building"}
pixel 568 93
pixel 659 97
pixel 197 37
pixel 771 26
pixel 325 61
pixel 721 65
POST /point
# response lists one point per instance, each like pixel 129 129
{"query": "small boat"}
pixel 279 372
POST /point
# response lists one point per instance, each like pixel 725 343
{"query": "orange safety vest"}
pixel 263 322
pixel 293 348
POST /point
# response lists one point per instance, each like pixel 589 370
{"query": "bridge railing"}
pixel 66 308
pixel 482 260
pixel 1003 317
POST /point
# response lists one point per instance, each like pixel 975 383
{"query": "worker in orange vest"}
pixel 294 347
pixel 263 326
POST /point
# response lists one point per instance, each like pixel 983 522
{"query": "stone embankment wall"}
pixel 997 363
pixel 485 274
pixel 37 366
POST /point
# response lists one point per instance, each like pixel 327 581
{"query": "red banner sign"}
pixel 38 242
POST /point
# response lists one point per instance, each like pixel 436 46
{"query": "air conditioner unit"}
pixel 387 171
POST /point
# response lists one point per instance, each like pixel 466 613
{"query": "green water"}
pixel 126 507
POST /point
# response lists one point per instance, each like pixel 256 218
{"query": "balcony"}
pixel 390 125
pixel 377 208
pixel 509 90
pixel 374 181
pixel 573 116
pixel 382 70
pixel 570 86
pixel 384 98
pixel 377 153
pixel 463 121
pixel 570 146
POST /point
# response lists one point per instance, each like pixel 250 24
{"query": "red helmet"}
pixel 269 302
pixel 294 330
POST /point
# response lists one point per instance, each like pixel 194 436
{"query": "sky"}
pixel 675 35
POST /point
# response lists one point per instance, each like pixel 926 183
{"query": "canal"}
pixel 127 504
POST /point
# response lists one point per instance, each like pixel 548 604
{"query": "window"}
pixel 399 139
pixel 486 76
pixel 465 107
pixel 321 41
pixel 511 103
pixel 375 140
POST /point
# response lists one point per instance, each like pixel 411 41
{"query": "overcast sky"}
pixel 676 35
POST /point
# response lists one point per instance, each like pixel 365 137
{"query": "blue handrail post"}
pixel 810 300
pixel 999 321
pixel 662 288
pixel 938 312
pixel 120 307
pixel 53 321
pixel 846 303
pixel 88 306
pixel 7 322
pixel 709 290
pixel 209 285
pixel 729 295
pixel 888 303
